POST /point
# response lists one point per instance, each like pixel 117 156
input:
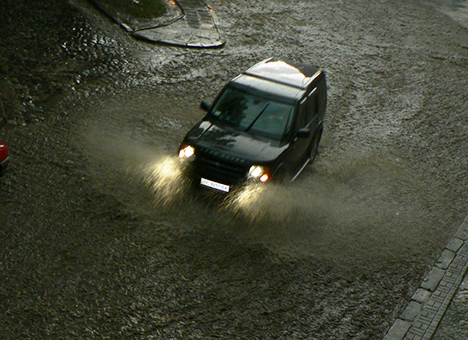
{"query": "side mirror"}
pixel 303 133
pixel 205 106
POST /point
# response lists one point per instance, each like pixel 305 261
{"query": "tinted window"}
pixel 308 110
pixel 311 107
pixel 254 113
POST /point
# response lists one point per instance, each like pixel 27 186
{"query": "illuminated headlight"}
pixel 259 172
pixel 256 171
pixel 187 152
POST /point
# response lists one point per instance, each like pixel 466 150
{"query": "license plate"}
pixel 214 185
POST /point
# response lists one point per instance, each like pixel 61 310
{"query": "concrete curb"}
pixel 422 316
pixel 199 27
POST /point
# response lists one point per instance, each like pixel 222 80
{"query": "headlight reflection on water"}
pixel 246 196
pixel 164 177
pixel 258 201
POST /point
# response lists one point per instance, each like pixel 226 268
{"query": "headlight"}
pixel 259 172
pixel 187 152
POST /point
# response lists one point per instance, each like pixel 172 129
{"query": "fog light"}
pixel 256 171
pixel 259 172
pixel 186 152
pixel 264 178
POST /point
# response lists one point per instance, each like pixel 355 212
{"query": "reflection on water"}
pixel 260 202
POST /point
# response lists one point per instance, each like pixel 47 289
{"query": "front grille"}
pixel 220 167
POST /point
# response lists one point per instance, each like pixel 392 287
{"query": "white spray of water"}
pixel 354 209
pixel 164 177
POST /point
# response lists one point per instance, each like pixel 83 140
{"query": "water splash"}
pixel 259 202
pixel 165 179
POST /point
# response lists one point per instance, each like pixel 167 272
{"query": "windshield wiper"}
pixel 256 118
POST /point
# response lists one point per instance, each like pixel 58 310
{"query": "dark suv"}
pixel 266 124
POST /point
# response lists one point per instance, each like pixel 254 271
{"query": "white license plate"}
pixel 214 185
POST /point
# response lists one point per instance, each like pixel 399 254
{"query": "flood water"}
pixel 362 190
pixel 125 248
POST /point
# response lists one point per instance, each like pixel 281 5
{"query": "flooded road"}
pixel 365 173
pixel 119 247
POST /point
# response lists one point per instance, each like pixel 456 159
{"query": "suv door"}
pixel 311 110
pixel 300 144
pixel 307 119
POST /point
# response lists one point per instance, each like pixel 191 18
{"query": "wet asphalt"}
pixel 101 239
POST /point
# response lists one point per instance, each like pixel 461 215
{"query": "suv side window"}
pixel 308 110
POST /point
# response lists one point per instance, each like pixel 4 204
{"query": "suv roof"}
pixel 285 78
pixel 284 72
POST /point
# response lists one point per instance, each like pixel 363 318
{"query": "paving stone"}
pixel 431 281
pixel 398 330
pixel 454 244
pixel 445 258
pixel 431 309
pixel 458 265
pixel 442 286
pixel 462 232
pixel 439 299
pixel 413 332
pixel 430 302
pixel 464 250
pixel 411 312
pixel 426 319
pixel 426 314
pixel 421 295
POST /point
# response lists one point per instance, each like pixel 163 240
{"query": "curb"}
pixel 422 316
pixel 199 27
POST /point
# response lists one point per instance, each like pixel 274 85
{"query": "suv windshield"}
pixel 255 114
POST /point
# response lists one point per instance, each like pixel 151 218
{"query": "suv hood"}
pixel 234 143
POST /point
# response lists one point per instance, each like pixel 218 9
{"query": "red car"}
pixel 4 159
